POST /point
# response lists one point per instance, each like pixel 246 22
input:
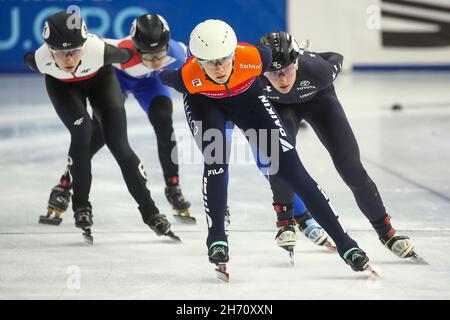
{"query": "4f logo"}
pixel 78 122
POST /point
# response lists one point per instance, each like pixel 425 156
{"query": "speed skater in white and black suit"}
pixel 77 68
pixel 153 50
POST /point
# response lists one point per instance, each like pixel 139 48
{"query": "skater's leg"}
pixel 155 99
pixel 333 129
pixel 288 205
pixel 299 206
pixel 160 116
pixel 283 194
pixel 70 105
pixel 112 115
pixel 291 116
pixel 207 124
pixel 97 140
pixel 330 123
pixel 292 170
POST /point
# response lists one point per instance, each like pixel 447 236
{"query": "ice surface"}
pixel 407 153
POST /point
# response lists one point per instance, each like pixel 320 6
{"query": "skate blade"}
pixel 184 219
pixel 172 236
pixel 50 220
pixel 373 274
pixel 291 257
pixel 415 257
pixel 330 247
pixel 221 272
pixel 88 238
pixel 290 250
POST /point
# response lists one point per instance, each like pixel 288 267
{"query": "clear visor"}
pixel 152 55
pixel 215 62
pixel 287 72
pixel 65 53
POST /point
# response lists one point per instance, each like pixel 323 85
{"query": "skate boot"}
pixel 161 226
pixel 83 220
pixel 314 232
pixel 218 254
pixel 58 201
pixel 356 259
pixel 401 246
pixel 359 261
pixel 286 236
pixel 178 202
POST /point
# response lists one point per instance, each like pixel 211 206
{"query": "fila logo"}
pixel 197 83
pixel 215 172
pixel 78 122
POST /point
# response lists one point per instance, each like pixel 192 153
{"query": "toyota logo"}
pixel 305 83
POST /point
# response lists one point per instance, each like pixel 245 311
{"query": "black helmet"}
pixel 284 47
pixel 65 30
pixel 150 32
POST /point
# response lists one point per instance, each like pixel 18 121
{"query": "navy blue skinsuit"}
pixel 313 98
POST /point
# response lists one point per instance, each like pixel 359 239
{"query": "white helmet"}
pixel 212 39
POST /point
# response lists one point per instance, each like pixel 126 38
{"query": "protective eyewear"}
pixel 215 62
pixel 151 56
pixel 287 72
pixel 65 53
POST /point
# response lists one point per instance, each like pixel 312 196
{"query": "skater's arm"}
pixel 173 79
pixel 116 55
pixel 320 68
pixel 30 61
pixel 177 52
pixel 332 57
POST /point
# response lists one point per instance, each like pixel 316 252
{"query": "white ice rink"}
pixel 407 153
